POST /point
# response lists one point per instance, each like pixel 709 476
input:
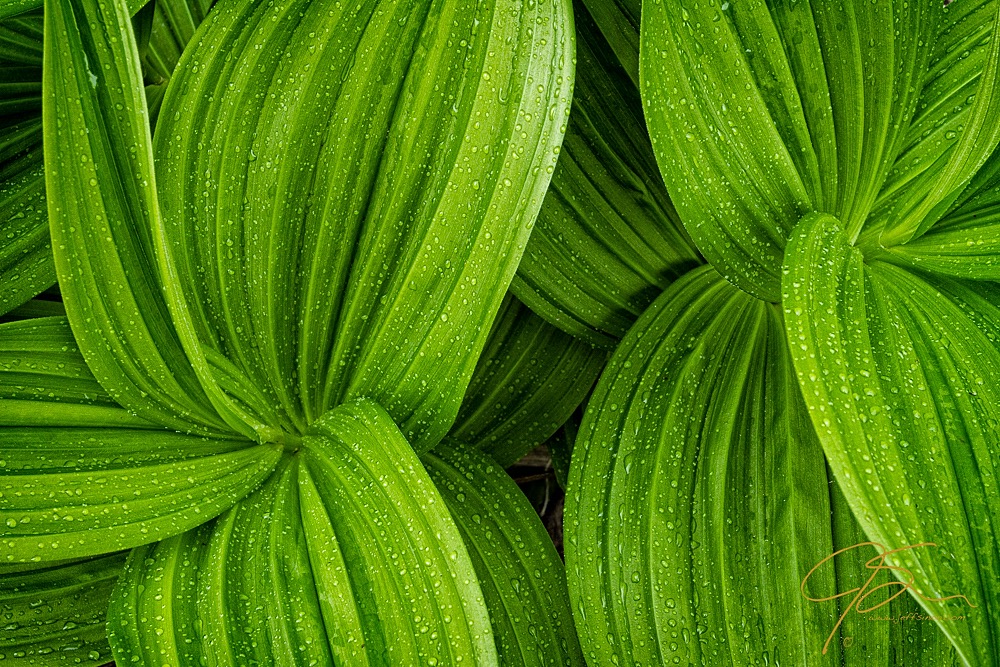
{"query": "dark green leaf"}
pixel 55 614
pixel 26 266
pixel 607 240
pixel 528 381
pixel 521 575
pixel 619 23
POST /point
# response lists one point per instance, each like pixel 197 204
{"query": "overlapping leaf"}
pixel 25 254
pixel 528 381
pixel 521 575
pixel 81 476
pixel 761 113
pixel 698 496
pixel 353 237
pixel 347 555
pixel 900 380
pixel 102 205
pixel 55 614
pixel 607 240
pixel 966 242
pixel 886 631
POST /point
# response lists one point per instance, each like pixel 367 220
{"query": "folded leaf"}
pixel 901 383
pixel 521 575
pixel 55 614
pixel 529 380
pixel 347 248
pixel 698 496
pixel 957 125
pixel 346 556
pixel 607 240
pixel 102 206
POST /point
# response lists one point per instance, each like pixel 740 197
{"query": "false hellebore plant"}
pixel 830 377
pixel 265 329
pixel 268 366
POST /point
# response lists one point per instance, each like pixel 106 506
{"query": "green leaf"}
pixel 12 8
pixel 965 243
pixel 55 614
pixel 560 447
pixel 71 492
pixel 359 234
pixel 619 23
pixel 102 199
pixel 528 381
pixel 698 496
pixel 761 113
pixel 44 380
pixel 901 384
pixel 174 24
pixel 956 127
pixel 21 40
pixel 80 476
pixel 15 8
pixel 607 240
pixel 521 575
pixel 889 635
pixel 26 266
pixel 35 308
pixel 346 556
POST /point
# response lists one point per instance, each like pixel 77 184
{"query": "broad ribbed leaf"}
pixel 892 634
pixel 55 614
pixel 26 266
pixel 102 204
pixel 70 492
pixel 529 380
pixel 174 24
pixel 352 235
pixel 80 476
pixel 619 23
pixel 698 496
pixel 966 242
pixel 763 112
pixel 44 380
pixel 902 386
pixel 16 8
pixel 955 128
pixel 521 575
pixel 607 240
pixel 346 556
